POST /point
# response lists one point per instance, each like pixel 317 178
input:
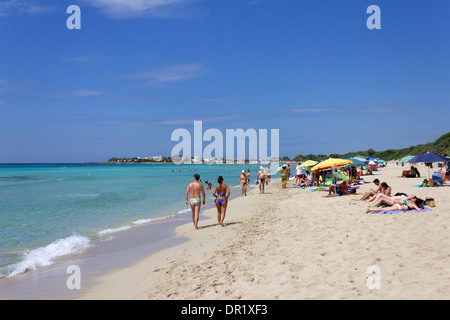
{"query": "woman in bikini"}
pixel 243 181
pixel 221 192
pixel 384 189
pixel 404 205
pixel 390 201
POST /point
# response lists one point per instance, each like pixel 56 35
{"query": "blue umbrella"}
pixel 428 157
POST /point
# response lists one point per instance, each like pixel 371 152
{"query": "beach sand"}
pixel 296 244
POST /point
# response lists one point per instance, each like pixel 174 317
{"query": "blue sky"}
pixel 138 70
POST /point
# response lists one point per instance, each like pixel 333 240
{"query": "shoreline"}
pixel 297 244
pixel 106 253
pixel 203 238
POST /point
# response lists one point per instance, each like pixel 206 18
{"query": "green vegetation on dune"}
pixel 440 146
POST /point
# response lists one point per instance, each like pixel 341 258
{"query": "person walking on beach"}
pixel 269 175
pixel 196 190
pixel 221 192
pixel 261 178
pixel 284 176
pixel 243 182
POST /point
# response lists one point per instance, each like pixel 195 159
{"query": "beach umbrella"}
pixel 357 163
pixel 329 163
pixel 360 158
pixel 308 163
pixel 406 159
pixel 428 158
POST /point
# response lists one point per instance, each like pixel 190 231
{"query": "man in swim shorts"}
pixel 196 190
pixel 261 178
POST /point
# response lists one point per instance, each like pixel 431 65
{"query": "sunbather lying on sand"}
pixel 412 204
pixel 390 201
pixel 341 189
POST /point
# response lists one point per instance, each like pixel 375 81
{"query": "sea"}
pixel 48 211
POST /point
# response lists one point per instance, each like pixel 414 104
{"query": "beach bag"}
pixel 430 202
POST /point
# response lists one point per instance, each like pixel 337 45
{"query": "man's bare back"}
pixel 195 188
pixel 196 191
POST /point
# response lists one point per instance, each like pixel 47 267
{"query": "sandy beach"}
pixel 296 244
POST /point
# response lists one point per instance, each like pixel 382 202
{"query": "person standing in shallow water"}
pixel 196 190
pixel 222 193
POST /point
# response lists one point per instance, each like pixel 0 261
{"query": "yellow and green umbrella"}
pixel 329 163
pixel 308 163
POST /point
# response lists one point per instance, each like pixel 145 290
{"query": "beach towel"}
pixel 437 186
pixel 397 211
pixel 424 183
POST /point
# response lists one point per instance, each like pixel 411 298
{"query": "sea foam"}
pixel 45 256
pixel 113 230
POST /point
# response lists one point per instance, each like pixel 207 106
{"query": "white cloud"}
pixel 88 93
pixel 310 110
pixel 164 9
pixel 24 7
pixel 349 110
pixel 172 73
pixel 190 121
pixel 256 2
pixel 77 93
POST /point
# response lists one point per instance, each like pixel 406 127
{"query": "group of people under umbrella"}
pixel 429 158
pixel 332 164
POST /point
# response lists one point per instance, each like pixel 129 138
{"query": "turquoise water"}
pixel 50 210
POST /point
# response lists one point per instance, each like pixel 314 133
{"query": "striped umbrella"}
pixel 406 159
